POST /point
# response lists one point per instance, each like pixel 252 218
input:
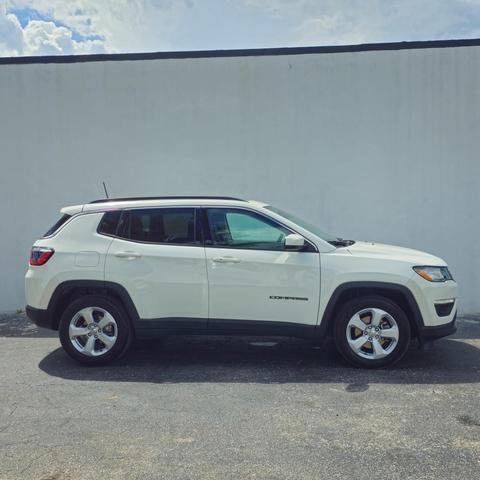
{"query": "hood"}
pixel 391 252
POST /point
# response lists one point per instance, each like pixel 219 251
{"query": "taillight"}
pixel 40 255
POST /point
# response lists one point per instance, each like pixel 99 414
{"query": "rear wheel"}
pixel 372 332
pixel 95 330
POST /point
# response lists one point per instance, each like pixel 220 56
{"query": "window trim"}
pixel 198 237
pixel 310 247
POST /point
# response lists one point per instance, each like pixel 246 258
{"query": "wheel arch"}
pixel 399 294
pixel 70 290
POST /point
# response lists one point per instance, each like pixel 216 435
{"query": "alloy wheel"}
pixel 93 331
pixel 372 333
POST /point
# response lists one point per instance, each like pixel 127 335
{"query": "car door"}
pixel 254 281
pixel 158 257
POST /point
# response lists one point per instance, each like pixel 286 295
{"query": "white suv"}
pixel 112 270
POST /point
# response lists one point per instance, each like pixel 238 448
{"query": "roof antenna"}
pixel 105 188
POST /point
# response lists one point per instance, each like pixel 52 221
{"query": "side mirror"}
pixel 294 241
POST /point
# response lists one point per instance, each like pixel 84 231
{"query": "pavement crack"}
pixel 14 408
pixel 29 465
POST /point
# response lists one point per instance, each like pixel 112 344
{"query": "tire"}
pixel 385 329
pixel 89 320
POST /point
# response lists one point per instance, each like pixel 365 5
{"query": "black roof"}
pixel 130 199
pixel 250 52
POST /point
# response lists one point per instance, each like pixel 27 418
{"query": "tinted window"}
pixel 57 225
pixel 160 225
pixel 109 222
pixel 243 229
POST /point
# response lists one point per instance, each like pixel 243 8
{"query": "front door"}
pixel 254 281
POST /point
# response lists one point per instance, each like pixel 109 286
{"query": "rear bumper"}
pixel 39 317
pixel 431 333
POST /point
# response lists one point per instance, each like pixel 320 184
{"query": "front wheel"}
pixel 372 332
pixel 95 330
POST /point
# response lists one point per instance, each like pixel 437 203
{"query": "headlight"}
pixel 434 274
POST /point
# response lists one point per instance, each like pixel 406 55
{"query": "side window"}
pixel 243 229
pixel 57 225
pixel 108 223
pixel 159 225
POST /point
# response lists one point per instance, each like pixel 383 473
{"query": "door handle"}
pixel 126 254
pixel 226 260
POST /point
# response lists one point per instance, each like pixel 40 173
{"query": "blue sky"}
pixel 27 13
pixel 49 27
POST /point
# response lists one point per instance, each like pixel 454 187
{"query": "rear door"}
pixel 254 281
pixel 158 257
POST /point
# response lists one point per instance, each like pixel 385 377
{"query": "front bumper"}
pixel 39 317
pixel 426 334
pixel 433 300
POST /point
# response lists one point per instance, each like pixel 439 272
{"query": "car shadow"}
pixel 184 359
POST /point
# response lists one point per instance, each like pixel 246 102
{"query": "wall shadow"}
pixel 18 325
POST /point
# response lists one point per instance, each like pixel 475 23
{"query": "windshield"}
pixel 302 223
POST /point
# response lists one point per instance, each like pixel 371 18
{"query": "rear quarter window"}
pixel 63 219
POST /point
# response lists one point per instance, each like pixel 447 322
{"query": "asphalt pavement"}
pixel 237 408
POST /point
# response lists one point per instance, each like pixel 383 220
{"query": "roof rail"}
pixel 129 199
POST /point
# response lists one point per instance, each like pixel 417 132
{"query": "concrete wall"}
pixel 380 145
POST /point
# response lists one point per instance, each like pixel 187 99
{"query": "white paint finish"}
pixel 295 241
pixel 162 280
pixel 390 264
pixel 174 281
pixel 241 287
pixel 87 259
pixel 170 281
pixel 428 293
pixel 378 251
pixel 72 209
pixel 372 145
pixel 72 238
